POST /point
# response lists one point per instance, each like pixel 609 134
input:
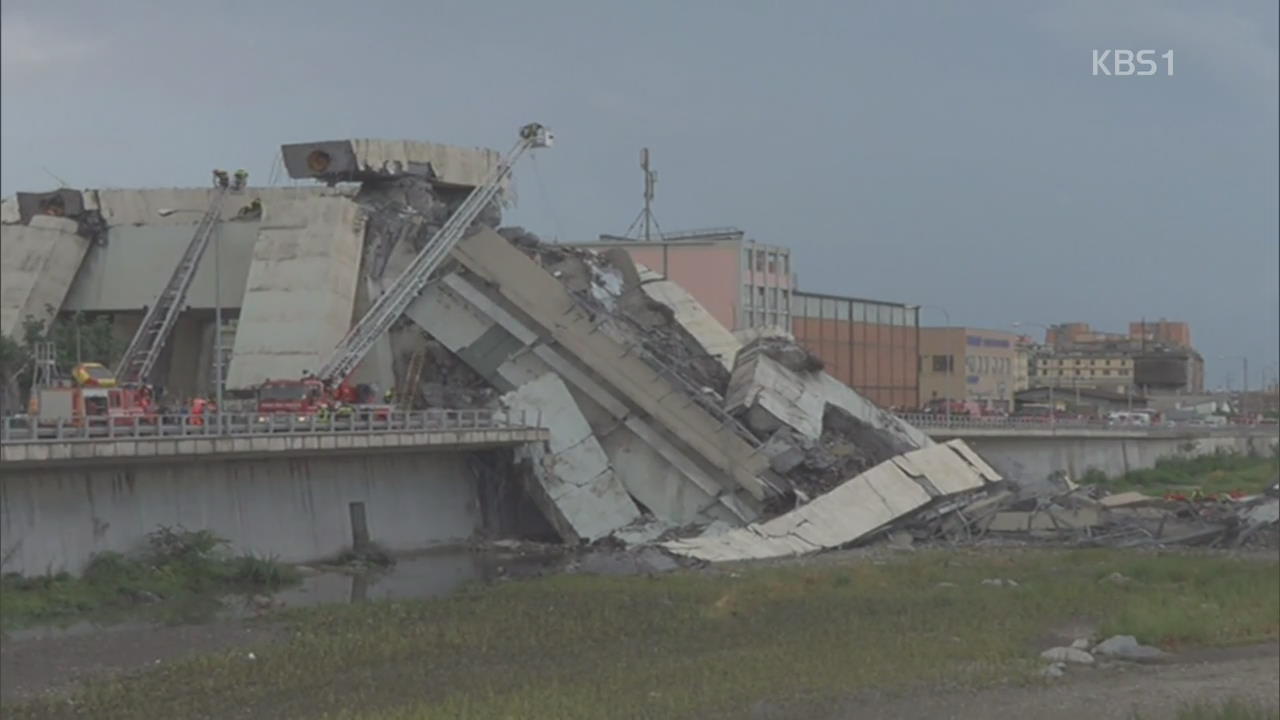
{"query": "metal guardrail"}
pixel 939 420
pixel 26 429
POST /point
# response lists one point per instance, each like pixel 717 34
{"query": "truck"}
pixel 90 398
pixel 309 400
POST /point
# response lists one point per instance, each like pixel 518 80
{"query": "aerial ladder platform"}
pixel 144 349
pixel 391 304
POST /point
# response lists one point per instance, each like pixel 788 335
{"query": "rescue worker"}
pixel 389 397
pixel 252 210
pixel 323 413
pixel 197 411
pixel 242 177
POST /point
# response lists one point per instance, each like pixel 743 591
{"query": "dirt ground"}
pixel 1155 692
pixel 33 665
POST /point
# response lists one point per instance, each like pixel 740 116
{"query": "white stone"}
pixel 1067 655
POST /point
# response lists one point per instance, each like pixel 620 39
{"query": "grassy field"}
pixel 1220 473
pixel 700 644
pixel 182 567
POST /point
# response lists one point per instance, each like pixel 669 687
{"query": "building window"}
pixel 773 298
pixel 773 263
pixel 759 261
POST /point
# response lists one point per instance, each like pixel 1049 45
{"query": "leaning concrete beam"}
pixel 526 285
pixel 301 291
pixel 38 263
pixel 574 472
pixel 459 315
pixel 891 490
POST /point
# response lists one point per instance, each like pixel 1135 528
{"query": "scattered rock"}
pixel 999 582
pixel 1116 578
pixel 1055 670
pixel 1067 655
pixel 1081 644
pixel 946 585
pixel 901 540
pixel 262 601
pixel 1127 647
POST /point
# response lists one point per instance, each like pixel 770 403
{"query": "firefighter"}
pixel 389 396
pixel 221 179
pixel 197 410
pixel 242 177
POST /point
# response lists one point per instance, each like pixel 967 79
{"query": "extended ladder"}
pixel 392 303
pixel 144 349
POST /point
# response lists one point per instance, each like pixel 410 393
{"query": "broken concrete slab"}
pixel 1126 499
pixel 767 396
pixel 851 511
pixel 574 471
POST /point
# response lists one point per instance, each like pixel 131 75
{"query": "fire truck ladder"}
pixel 392 303
pixel 144 349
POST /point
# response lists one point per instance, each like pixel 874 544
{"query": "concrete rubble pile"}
pixel 1087 516
pixel 664 429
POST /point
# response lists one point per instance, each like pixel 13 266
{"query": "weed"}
pixel 1220 472
pixel 176 563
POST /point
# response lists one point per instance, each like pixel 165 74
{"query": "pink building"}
pixel 742 283
pixel 869 345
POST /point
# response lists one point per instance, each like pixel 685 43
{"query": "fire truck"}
pixel 92 398
pixel 309 400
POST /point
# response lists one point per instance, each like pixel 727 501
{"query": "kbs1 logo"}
pixel 1126 63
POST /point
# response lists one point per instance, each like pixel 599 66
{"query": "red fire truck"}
pixel 92 398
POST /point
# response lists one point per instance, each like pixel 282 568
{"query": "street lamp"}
pixel 217 310
pixel 946 392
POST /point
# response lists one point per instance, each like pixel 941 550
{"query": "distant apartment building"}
pixel 1025 352
pixel 1098 370
pixel 1154 356
pixel 969 364
pixel 867 344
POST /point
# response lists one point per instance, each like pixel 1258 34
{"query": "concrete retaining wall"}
pixel 1030 461
pixel 296 509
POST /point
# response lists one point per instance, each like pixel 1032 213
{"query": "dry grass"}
pixel 700 644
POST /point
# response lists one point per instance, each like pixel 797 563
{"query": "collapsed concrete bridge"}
pixel 658 419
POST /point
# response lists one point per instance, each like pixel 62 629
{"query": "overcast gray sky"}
pixel 952 154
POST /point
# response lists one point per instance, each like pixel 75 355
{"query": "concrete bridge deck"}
pixel 24 444
pixel 938 426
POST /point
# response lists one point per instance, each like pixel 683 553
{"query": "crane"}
pixel 144 349
pixel 397 298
